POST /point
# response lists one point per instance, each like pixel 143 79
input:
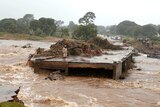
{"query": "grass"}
pixel 1 34
pixel 11 104
pixel 16 36
pixel 129 40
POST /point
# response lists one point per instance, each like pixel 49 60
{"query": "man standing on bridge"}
pixel 64 50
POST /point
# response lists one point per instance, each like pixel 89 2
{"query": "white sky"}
pixel 108 12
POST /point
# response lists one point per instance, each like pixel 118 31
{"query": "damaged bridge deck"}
pixel 116 61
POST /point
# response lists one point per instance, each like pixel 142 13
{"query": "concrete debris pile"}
pixel 27 46
pixel 104 43
pixel 154 56
pixel 74 48
pixel 55 76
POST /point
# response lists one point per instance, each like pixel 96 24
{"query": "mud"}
pixel 148 48
pixel 104 44
pixel 139 89
pixel 73 48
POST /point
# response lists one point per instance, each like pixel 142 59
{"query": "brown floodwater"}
pixel 139 89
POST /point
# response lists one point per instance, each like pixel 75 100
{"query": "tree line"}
pixel 133 29
pixel 129 28
pixel 29 25
pixel 84 30
pixel 50 26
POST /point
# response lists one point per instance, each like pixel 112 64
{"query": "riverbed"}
pixel 141 88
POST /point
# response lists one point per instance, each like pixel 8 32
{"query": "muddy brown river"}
pixel 141 88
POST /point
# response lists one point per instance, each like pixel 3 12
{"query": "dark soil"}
pixel 104 43
pixel 74 47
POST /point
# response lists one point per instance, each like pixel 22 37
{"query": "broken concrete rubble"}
pixel 27 46
pixel 57 75
pixel 154 56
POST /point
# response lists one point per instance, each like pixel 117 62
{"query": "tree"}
pixel 64 32
pixel 127 28
pixel 102 30
pixel 35 26
pixel 48 26
pixel 148 31
pixel 88 18
pixel 8 25
pixel 27 19
pixel 87 29
pixel 113 29
pixel 59 23
pixel 72 27
pixel 159 31
pixel 23 24
pixel 85 32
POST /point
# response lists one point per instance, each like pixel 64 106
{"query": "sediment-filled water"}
pixel 141 88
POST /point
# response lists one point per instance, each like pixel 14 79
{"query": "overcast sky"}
pixel 108 12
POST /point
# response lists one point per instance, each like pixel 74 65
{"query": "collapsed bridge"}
pixel 116 63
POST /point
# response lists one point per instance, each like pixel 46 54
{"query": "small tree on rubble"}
pixel 87 29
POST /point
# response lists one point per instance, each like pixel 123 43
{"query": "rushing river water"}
pixel 139 89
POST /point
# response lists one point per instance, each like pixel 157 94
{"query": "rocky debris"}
pixel 139 69
pixel 39 50
pixel 45 101
pixel 27 46
pixel 154 56
pixel 15 46
pixel 104 43
pixel 135 52
pixel 92 47
pixel 74 48
pixel 55 76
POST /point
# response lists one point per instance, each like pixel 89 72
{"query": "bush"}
pixel 85 32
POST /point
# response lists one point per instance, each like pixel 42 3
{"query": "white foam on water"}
pixel 158 103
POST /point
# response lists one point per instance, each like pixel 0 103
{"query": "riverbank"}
pixel 15 36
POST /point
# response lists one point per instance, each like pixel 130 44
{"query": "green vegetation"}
pixel 155 40
pixel 87 19
pixel 27 27
pixel 11 104
pixel 149 31
pixel 129 28
pixel 85 32
pixel 37 29
pixel 86 29
pixel 129 40
pixel 16 36
pixel 102 30
pixel 64 32
pixel 72 27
